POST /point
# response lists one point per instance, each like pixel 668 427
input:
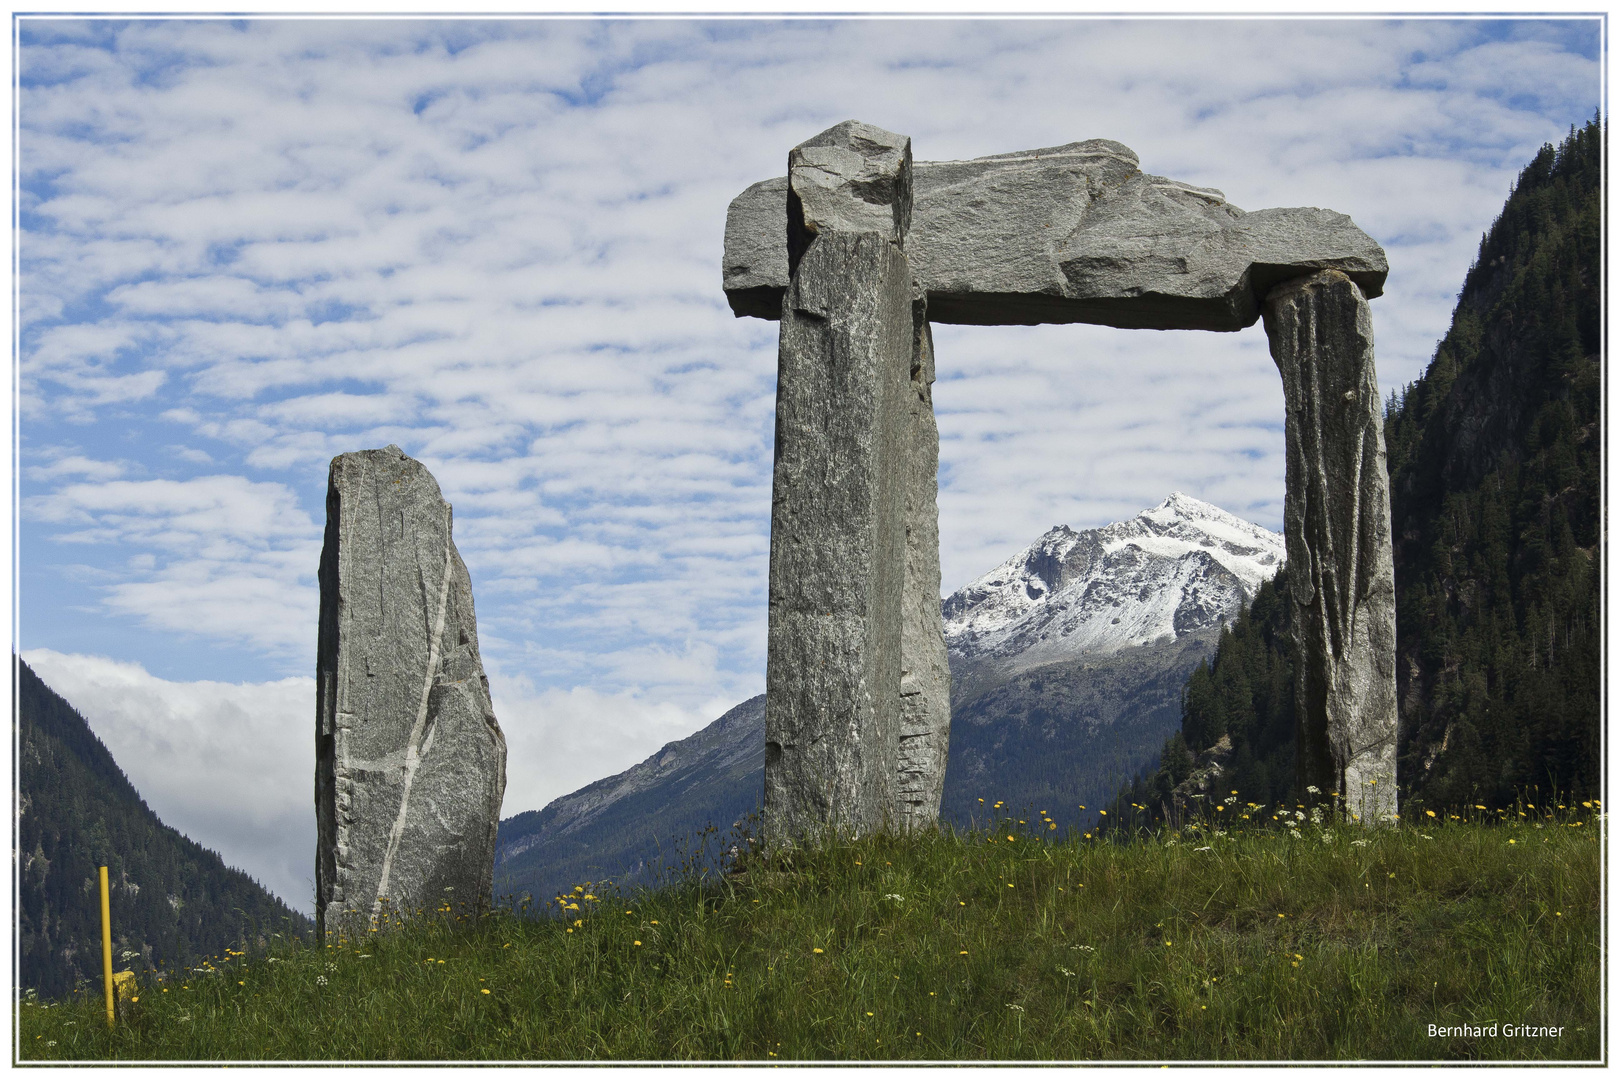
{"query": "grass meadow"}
pixel 1220 940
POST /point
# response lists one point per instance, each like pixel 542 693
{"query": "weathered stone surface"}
pixel 1336 519
pixel 1073 233
pixel 852 178
pixel 832 712
pixel 925 676
pixel 410 763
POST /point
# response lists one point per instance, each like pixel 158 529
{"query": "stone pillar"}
pixel 838 537
pixel 410 765
pixel 925 676
pixel 1340 558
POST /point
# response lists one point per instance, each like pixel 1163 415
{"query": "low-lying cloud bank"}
pixel 231 765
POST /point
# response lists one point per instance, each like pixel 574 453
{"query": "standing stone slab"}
pixel 833 668
pixel 925 677
pixel 410 763
pixel 1336 514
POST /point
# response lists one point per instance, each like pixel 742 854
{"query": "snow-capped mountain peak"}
pixel 1177 568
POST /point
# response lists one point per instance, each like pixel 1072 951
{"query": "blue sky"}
pixel 250 245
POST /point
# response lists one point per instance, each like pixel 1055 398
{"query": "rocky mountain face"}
pixel 1180 568
pixel 1068 660
pixel 1067 664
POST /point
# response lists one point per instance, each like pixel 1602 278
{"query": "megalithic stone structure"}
pixel 839 485
pixel 1336 520
pixel 1073 233
pixel 410 764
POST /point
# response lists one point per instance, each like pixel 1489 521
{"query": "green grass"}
pixel 1340 944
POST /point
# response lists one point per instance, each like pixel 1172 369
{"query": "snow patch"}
pixel 1180 567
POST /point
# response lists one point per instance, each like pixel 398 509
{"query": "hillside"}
pixel 1495 456
pixel 1065 735
pixel 1226 944
pixel 628 826
pixel 173 902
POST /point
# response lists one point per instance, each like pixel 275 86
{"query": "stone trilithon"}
pixel 856 250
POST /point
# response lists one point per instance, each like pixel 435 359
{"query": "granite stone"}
pixel 410 762
pixel 838 543
pixel 1337 526
pixel 925 673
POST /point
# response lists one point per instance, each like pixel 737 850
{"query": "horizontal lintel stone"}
pixel 1074 233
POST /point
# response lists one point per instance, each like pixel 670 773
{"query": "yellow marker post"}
pixel 106 945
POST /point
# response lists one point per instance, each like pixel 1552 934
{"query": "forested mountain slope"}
pixel 1494 466
pixel 173 901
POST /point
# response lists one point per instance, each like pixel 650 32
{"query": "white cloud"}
pixel 226 558
pixel 60 462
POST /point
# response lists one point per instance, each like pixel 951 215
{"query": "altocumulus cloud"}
pixel 249 245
